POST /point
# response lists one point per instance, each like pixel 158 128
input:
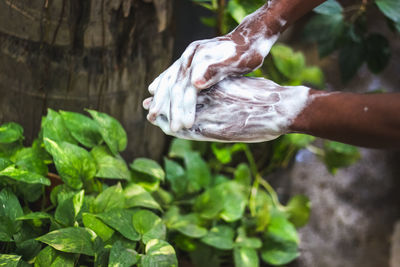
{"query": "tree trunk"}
pixel 76 54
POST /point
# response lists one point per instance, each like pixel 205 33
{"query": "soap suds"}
pixel 207 62
pixel 241 109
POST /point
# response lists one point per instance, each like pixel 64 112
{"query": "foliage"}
pixel 335 27
pixel 91 211
pixel 98 210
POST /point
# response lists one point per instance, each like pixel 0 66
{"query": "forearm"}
pixel 370 120
pixel 276 16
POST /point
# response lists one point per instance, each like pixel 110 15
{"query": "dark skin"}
pixel 368 120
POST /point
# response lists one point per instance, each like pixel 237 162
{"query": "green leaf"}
pixel 175 175
pixel 54 129
pixel 209 204
pixel 209 21
pixel 4 163
pixel 185 243
pixel 92 222
pixel 245 257
pixel 326 30
pixel 179 147
pixel 280 241
pixel 158 254
pixel 74 164
pixel 51 257
pixel 109 166
pixel 9 260
pixel 220 237
pixel 313 76
pixel 288 62
pixel 263 207
pixel 339 155
pixel 222 152
pixel 242 240
pixel 110 199
pixel 186 224
pixel 149 167
pixel 11 132
pixel 68 209
pixel 299 140
pixel 227 200
pixel 197 172
pixel 378 52
pixel 72 239
pixel 10 210
pixel 8 150
pixel 391 9
pixel 82 128
pixel 330 7
pixel 121 256
pixel 24 176
pixel 243 174
pixel 34 216
pixel 298 209
pixel 236 10
pixel 148 225
pixel 147 173
pixel 7 229
pixel 234 201
pixel 137 196
pixel 351 57
pixel 121 220
pixel 60 193
pixel 29 192
pixel 28 248
pixel 31 159
pixel 111 130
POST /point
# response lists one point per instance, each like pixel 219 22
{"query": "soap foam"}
pixel 241 109
pixel 239 52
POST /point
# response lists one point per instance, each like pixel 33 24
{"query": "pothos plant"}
pixel 70 199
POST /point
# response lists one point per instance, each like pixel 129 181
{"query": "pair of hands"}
pixel 232 109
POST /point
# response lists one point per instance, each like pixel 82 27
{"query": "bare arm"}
pixel 255 109
pixel 369 120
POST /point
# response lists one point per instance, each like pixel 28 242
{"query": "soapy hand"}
pixel 240 110
pixel 206 62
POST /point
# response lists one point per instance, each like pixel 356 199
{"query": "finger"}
pixel 213 74
pixel 189 107
pixel 188 54
pixel 147 102
pixel 176 111
pixel 162 95
pixel 155 84
pixel 159 99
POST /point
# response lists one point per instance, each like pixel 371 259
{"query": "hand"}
pixel 206 62
pixel 240 110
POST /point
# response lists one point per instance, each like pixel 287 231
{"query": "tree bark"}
pixel 77 54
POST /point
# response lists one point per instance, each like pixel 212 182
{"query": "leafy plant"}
pixel 345 29
pixel 87 209
pixel 70 200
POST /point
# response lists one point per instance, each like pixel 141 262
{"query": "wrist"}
pixel 302 123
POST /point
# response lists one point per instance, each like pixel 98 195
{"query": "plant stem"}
pixel 220 17
pixel 257 181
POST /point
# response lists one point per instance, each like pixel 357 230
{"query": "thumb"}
pixel 209 77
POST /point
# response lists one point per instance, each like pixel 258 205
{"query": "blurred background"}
pixel 76 54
